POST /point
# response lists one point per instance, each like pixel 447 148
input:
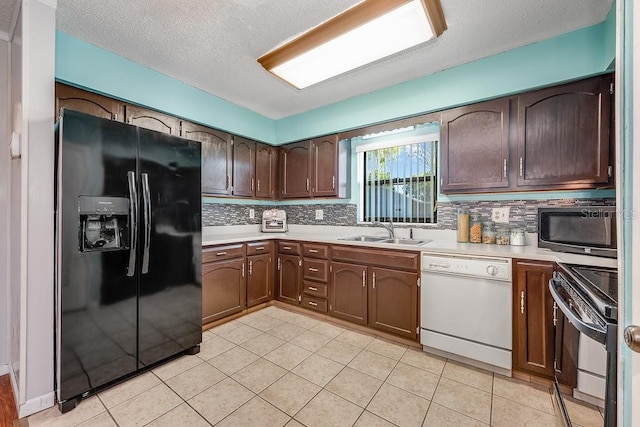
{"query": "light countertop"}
pixel 441 242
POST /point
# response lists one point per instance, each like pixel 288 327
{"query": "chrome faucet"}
pixel 388 227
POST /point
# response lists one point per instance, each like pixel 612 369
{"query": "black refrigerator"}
pixel 128 252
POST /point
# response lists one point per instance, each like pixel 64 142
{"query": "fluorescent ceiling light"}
pixel 369 31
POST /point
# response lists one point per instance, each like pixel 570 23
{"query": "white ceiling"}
pixel 213 44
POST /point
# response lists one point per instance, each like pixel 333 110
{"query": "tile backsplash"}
pixel 523 213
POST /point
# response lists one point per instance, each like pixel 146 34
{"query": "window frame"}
pixel 362 149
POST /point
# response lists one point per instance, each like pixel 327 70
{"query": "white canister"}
pixel 517 237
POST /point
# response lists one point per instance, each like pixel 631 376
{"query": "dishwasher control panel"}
pixel 489 268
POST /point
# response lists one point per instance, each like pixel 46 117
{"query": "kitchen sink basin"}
pixel 363 238
pixel 404 241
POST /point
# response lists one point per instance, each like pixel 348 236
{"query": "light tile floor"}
pixel 275 368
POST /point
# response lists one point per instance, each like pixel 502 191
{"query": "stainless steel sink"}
pixel 404 241
pixel 363 238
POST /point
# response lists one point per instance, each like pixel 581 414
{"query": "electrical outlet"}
pixel 252 213
pixel 500 215
pixel 319 214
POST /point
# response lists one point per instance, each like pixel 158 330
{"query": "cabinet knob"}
pixel 522 302
pixel 315 270
pixel 220 253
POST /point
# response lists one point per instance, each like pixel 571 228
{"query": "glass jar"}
pixel 502 235
pixel 475 228
pixel 517 237
pixel 463 225
pixel 488 232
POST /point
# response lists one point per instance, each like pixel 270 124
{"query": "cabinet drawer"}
pixel 217 253
pixel 258 248
pixel 315 269
pixel 394 259
pixel 316 304
pixel 318 290
pixel 315 251
pixel 292 248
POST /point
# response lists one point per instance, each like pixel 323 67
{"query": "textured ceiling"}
pixel 213 44
pixel 7 9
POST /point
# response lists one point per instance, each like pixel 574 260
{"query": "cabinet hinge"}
pixel 278 263
pixel 555 366
pixel 330 307
pixel 114 117
pixel 610 171
pixel 418 282
pixel 299 298
pixel 611 88
pixel 441 182
pixel 180 128
pixel 330 268
pixel 417 330
pixel 299 263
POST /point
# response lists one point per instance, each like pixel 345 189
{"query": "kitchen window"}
pixel 398 179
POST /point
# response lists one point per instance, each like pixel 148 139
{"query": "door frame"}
pixel 628 202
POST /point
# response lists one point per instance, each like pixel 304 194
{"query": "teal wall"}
pixel 85 65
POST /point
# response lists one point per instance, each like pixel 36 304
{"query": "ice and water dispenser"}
pixel 104 223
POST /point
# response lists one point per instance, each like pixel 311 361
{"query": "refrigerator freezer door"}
pixel 170 302
pixel 96 300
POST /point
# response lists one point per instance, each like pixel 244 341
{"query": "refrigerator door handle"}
pixel 146 200
pixel 133 227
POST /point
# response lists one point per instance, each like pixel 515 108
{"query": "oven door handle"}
pixel 591 330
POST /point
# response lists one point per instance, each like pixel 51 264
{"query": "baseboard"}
pixel 4 369
pixel 36 404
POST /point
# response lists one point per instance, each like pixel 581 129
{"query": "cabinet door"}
pixel 244 164
pixel 223 289
pixel 216 157
pixel 393 301
pixel 475 147
pixel 348 292
pixel 152 120
pixel 259 279
pixel 289 279
pixel 563 136
pixel 325 166
pixel 266 171
pixel 296 170
pixel 533 318
pixel 87 102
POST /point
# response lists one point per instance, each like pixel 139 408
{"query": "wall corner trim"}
pixel 36 404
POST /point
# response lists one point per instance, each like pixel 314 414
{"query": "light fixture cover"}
pixel 313 58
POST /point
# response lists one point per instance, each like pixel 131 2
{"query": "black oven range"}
pixel 587 297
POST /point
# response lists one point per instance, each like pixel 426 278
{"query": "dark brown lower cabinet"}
pixel 348 290
pixel 533 330
pixel 393 301
pixel 223 289
pixel 259 279
pixel 372 295
pixel 289 278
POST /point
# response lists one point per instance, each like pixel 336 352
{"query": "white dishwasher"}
pixel 465 309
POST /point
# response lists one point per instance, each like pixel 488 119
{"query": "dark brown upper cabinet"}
pixel 564 136
pixel 87 102
pixel 152 120
pixel 296 170
pixel 217 156
pixel 244 166
pixel 325 166
pixel 266 171
pixel 475 147
pixel 558 138
pixel 315 168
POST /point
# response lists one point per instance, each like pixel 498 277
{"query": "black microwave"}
pixel 587 230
